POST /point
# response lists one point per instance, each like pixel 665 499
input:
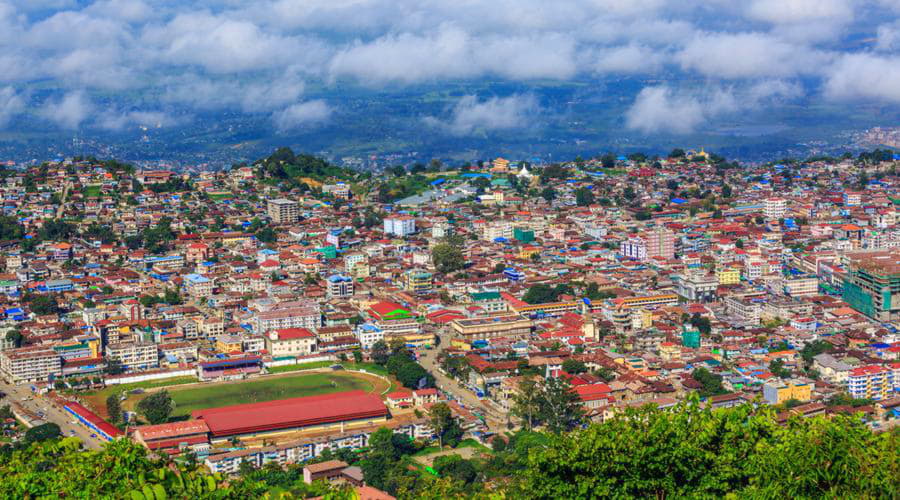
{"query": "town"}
pixel 292 312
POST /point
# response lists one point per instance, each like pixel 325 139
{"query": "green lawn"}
pixel 268 389
pixel 91 191
pixel 300 367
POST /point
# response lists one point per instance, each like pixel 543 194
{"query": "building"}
pixel 490 302
pixel 657 242
pixel 290 342
pixel 776 392
pixel 803 286
pixel 198 286
pixel 489 327
pixel 134 355
pixel 774 208
pixel 870 382
pixel 417 281
pixel 872 284
pixel 339 286
pixel 283 211
pixel 697 288
pixel 92 421
pixel 400 225
pixel 728 276
pixel 172 437
pixel 294 317
pixel 30 364
pixel 328 411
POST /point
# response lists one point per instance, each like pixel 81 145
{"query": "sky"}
pixel 167 61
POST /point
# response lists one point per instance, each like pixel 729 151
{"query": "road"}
pixel 52 412
pixel 494 417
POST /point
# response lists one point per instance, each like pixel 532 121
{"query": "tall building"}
pixel 774 208
pixel 870 382
pixel 872 284
pixel 30 364
pixel 656 242
pixel 283 211
pixel 400 225
pixel 339 286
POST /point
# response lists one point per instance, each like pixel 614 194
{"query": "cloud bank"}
pixel 259 58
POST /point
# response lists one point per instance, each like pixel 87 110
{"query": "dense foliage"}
pixel 695 452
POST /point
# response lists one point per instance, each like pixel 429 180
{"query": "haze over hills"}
pixel 215 82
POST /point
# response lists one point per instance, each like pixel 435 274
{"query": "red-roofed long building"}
pixel 289 415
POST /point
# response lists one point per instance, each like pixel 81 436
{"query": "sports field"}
pixel 188 399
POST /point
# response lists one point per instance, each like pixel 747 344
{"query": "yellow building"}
pixel 777 392
pixel 526 252
pixel 229 343
pixel 728 276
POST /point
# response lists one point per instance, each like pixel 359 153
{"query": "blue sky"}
pixel 170 59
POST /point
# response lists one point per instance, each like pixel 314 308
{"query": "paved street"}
pixel 52 412
pixel 495 418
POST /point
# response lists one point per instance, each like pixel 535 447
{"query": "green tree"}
pixel 548 193
pixel 114 366
pixel 456 467
pixel 42 432
pixel 573 366
pixel 380 352
pixel 114 409
pixel 560 407
pixel 15 336
pixel 442 422
pixel 584 197
pixel 526 401
pixel 691 451
pixel 157 407
pixel 712 383
pixel 447 258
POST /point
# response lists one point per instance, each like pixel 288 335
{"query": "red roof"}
pixel 294 333
pixel 94 419
pixel 291 413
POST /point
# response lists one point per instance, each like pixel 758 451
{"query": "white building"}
pixel 291 342
pixel 339 286
pixel 399 225
pixel 295 317
pixel 30 364
pixel 134 355
pixel 774 208
pixel 283 211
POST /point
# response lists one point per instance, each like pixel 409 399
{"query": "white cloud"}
pixel 11 104
pixel 302 114
pixel 747 55
pixel 888 38
pixel 865 76
pixel 798 11
pixel 451 52
pixel 70 111
pixel 628 59
pixel 472 116
pixel 662 110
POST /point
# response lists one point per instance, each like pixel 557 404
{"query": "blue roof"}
pixel 679 201
pixel 475 175
pixel 438 181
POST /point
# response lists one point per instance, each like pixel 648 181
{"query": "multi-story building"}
pixel 417 281
pixel 490 302
pixel 488 327
pixel 291 342
pixel 339 286
pixel 728 276
pixel 400 225
pixel 657 242
pixel 30 364
pixel 198 286
pixel 697 288
pixel 870 382
pixel 803 286
pixel 295 317
pixel 872 284
pixel 774 208
pixel 134 355
pixel 283 211
pixel 778 391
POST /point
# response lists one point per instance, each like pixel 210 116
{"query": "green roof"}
pixel 483 296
